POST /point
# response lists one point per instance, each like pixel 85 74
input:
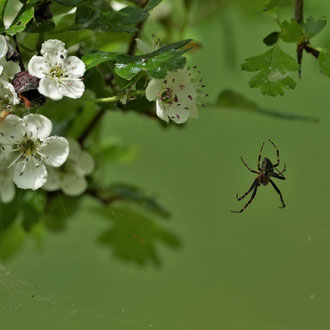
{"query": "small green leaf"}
pixel 94 59
pixel 272 38
pixel 99 16
pixel 312 28
pixel 324 62
pixel 291 31
pixel 19 24
pixel 157 63
pixel 232 99
pixel 274 67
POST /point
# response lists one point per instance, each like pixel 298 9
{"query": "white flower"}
pixel 7 188
pixel 30 142
pixel 59 75
pixel 176 96
pixel 71 176
pixel 8 69
pixel 8 94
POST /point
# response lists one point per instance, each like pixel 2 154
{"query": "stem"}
pixel 21 64
pixel 131 50
pixel 299 17
pixel 84 135
pixel 114 98
pixel 299 11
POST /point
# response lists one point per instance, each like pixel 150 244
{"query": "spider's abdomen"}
pixel 267 165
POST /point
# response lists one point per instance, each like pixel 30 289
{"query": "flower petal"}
pixel 72 88
pixel 48 87
pixel 73 184
pixel 85 165
pixel 7 92
pixel 7 187
pixel 3 46
pixel 142 46
pixel 11 130
pixel 75 149
pixel 54 51
pixel 161 113
pixel 74 66
pixel 178 114
pixel 28 174
pixel 53 180
pixel 37 126
pixel 38 66
pixel 56 150
pixel 10 68
pixel 154 89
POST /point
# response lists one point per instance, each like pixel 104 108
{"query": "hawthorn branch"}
pixel 299 11
pixel 130 51
pixel 21 64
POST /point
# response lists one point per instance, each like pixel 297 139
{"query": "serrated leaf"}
pixel 19 24
pixel 312 28
pixel 94 59
pixel 272 38
pixel 157 63
pixel 324 62
pixel 274 67
pixel 291 31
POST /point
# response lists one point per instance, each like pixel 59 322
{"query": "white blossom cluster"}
pixel 30 157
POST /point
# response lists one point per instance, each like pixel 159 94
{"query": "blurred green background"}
pixel 204 268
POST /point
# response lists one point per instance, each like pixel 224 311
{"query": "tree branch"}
pixel 21 64
pixel 299 11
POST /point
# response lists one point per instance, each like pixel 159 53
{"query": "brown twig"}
pixel 91 126
pixel 130 51
pixel 21 64
pixel 299 11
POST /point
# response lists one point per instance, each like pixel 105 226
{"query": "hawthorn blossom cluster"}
pixel 30 157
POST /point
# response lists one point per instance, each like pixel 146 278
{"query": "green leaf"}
pixel 312 28
pixel 156 64
pixel 324 62
pixel 291 31
pixel 99 16
pixel 2 9
pixel 233 100
pixel 94 59
pixel 10 240
pixel 70 3
pixel 276 4
pixel 152 4
pixel 134 237
pixel 19 24
pixel 274 67
pixel 272 38
pixel 133 194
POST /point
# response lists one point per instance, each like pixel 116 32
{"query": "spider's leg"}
pixel 277 153
pixel 278 191
pixel 259 157
pixel 250 189
pixel 247 166
pixel 277 176
pixel 249 202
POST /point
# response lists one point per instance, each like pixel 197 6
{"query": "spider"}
pixel 266 171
